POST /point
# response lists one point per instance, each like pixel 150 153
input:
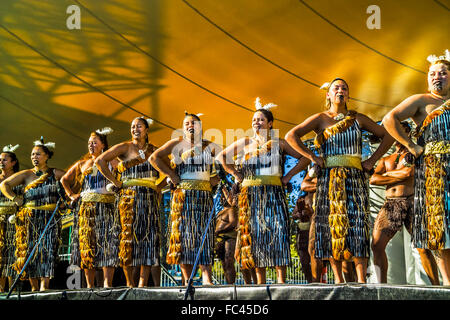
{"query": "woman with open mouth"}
pixel 41 192
pixel 188 163
pixel 137 204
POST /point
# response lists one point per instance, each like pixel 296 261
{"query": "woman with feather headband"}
pixel 96 223
pixel 41 192
pixel 431 113
pixel 342 196
pixel 9 164
pixel 257 164
pixel 137 204
pixel 190 169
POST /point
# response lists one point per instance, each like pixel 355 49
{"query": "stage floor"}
pixel 348 291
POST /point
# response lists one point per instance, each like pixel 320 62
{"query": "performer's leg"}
pixel 336 266
pixel 156 275
pixel 206 274
pixel 144 274
pixel 316 264
pixel 349 271
pixel 305 261
pixel 247 276
pixel 10 282
pixel 228 262
pixel 34 282
pixel 128 271
pixel 2 284
pixel 108 275
pixel 429 265
pixel 260 275
pixel 381 235
pixel 444 266
pixel 90 277
pixel 45 283
pixel 281 274
pixel 186 270
pixel 361 269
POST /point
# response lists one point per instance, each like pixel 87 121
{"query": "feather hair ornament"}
pixel 197 114
pixel 105 131
pixel 40 142
pixel 325 86
pixel 433 58
pixel 268 106
pixel 10 148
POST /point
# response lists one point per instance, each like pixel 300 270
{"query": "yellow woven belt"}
pixel 343 161
pixel 203 185
pixel 46 207
pixel 303 225
pixel 262 180
pixel 437 147
pixel 141 182
pixel 98 197
pixel 6 210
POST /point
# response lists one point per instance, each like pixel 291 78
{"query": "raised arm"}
pixel 408 108
pixel 68 180
pixel 109 155
pixel 301 164
pixel 9 183
pixel 293 137
pixel 159 160
pixel 386 140
pixel 226 156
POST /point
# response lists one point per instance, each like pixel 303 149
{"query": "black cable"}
pixel 267 59
pixel 357 40
pixel 442 5
pixel 170 68
pixel 81 79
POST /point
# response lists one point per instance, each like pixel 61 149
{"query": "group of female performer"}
pixel 114 193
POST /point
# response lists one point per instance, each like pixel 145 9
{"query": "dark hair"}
pixel 13 157
pixel 143 120
pixel 102 138
pixel 46 150
pixel 196 117
pixel 267 113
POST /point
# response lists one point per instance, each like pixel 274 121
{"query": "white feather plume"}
pixel 199 114
pixel 149 121
pixel 433 58
pixel 268 106
pixel 325 86
pixel 105 131
pixel 48 144
pixel 10 148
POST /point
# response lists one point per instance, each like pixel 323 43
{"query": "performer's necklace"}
pixel 437 96
pixel 142 151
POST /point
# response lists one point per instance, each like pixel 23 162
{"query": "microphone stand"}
pixel 190 289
